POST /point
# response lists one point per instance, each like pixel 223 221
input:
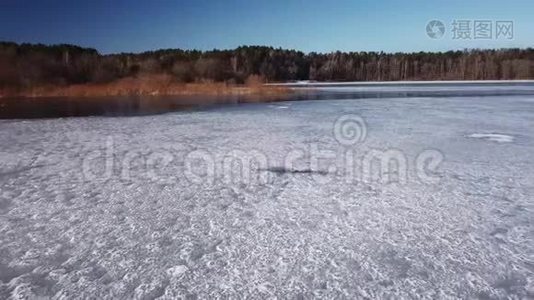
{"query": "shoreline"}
pixel 400 82
pixel 158 86
pixel 164 86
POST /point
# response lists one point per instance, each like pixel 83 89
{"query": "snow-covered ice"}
pixel 307 232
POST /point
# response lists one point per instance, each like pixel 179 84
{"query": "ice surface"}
pixel 135 235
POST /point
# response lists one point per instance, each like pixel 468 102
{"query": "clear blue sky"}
pixel 312 25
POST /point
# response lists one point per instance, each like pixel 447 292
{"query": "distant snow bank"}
pixel 434 82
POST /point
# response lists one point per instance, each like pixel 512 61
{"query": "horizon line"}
pixel 262 46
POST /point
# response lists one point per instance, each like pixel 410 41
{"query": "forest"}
pixel 29 65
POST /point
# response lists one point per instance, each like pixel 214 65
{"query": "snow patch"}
pixel 279 106
pixel 177 271
pixel 493 137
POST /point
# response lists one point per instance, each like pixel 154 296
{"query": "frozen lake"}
pixel 406 196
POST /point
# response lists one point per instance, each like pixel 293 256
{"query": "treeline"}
pixel 28 65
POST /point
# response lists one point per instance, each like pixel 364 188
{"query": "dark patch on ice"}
pixel 513 284
pixel 506 199
pixel 397 262
pixel 499 231
pixel 5 204
pixel 4 292
pixel 283 170
pixel 457 177
pixel 19 170
pixel 386 283
pixel 8 273
pixel 484 296
pixel 201 251
pixel 42 286
pixel 225 206
pixel 156 291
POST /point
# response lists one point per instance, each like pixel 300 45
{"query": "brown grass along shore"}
pixel 152 85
